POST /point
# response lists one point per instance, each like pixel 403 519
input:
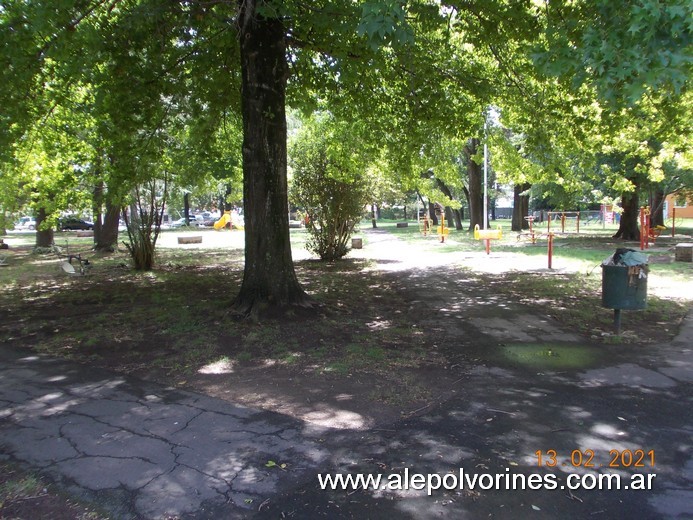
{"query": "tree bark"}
pixel 628 227
pixel 474 176
pixel 657 208
pixel 520 207
pixel 186 208
pixel 269 279
pixel 44 238
pixel 107 238
pixel 432 213
pixel 454 214
pixel 96 207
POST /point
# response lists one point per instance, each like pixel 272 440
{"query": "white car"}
pixel 25 223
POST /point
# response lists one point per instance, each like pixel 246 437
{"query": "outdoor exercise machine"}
pixel 487 235
pixel 647 233
pixel 531 234
pixel 563 217
pixel 443 231
pixel 534 236
pixel 66 259
pixel 425 225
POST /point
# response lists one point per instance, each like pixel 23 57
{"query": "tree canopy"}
pixel 130 88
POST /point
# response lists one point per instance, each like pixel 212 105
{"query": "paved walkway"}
pixel 142 450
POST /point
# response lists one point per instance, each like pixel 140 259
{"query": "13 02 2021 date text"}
pixel 588 459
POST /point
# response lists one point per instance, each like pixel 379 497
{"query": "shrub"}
pixel 329 182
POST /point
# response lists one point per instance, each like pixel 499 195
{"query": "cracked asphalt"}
pixel 142 450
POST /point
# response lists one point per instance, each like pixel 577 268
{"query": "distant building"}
pixel 683 205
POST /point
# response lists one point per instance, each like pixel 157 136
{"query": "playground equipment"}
pixel 564 217
pixel 647 233
pixel 531 235
pixel 442 230
pixel 66 258
pixel 230 219
pixel 223 221
pixel 425 225
pixel 487 235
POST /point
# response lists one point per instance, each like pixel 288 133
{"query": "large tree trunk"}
pixel 520 207
pixel 474 177
pixel 269 279
pixel 107 238
pixel 628 227
pixel 44 238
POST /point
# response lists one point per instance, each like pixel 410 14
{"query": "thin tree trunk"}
pixel 454 214
pixel 449 217
pixel 97 205
pixel 269 279
pixel 474 176
pixel 432 213
pixel 186 208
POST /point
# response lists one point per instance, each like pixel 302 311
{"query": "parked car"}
pixel 25 223
pixel 181 222
pixel 73 223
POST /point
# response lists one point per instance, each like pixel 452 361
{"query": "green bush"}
pixel 329 182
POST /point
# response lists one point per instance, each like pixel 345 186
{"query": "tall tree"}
pixel 268 276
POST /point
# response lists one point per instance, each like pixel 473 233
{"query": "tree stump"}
pixel 684 253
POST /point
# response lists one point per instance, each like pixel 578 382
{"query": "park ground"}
pixel 398 326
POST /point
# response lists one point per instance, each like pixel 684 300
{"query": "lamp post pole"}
pixel 485 170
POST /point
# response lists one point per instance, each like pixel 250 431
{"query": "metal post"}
pixel 617 321
pixel 642 229
pixel 442 226
pixel 485 181
pixel 550 250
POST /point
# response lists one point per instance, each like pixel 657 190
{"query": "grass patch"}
pixel 23 494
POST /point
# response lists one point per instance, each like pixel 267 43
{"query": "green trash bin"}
pixel 624 287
